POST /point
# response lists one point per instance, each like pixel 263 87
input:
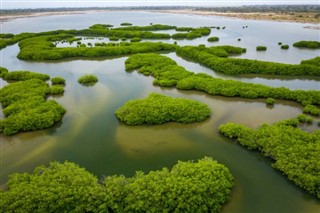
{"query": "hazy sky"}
pixel 13 4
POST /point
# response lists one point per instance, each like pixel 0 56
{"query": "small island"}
pixel 158 109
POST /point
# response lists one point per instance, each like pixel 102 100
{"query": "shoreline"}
pixel 304 18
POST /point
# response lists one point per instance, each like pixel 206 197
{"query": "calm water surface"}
pixel 91 136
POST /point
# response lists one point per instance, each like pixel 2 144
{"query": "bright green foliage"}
pixel 294 152
pixel 313 61
pixel 114 38
pixel 125 24
pixel 261 48
pixel 235 66
pixel 136 39
pixel 202 186
pixel 285 46
pixel 88 79
pixel 26 108
pixel 158 109
pixel 270 101
pixel 304 118
pixel 41 48
pixel 6 35
pixel 14 39
pixel 24 75
pixel 311 109
pixel 58 80
pixel 184 28
pixel 58 188
pixel 168 74
pixel 100 26
pixel 194 33
pixel 307 44
pixel 56 89
pixel 3 72
pixel 213 39
pixel 153 27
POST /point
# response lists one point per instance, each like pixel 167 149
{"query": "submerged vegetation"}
pixel 24 103
pixel 202 186
pixel 158 109
pixel 216 60
pixel 292 151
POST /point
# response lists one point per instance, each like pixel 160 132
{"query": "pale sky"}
pixel 15 4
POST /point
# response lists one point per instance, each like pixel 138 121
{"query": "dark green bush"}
pixel 58 80
pixel 184 28
pixel 285 47
pixel 100 26
pixel 293 151
pixel 153 27
pixel 261 48
pixel 279 43
pixel 114 38
pixel 125 24
pixel 88 79
pixel 3 72
pixel 307 44
pixel 158 109
pixel 213 39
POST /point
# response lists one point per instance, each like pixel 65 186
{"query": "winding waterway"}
pixel 91 136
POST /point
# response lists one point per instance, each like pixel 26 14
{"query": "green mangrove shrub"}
pixel 213 39
pixel 261 48
pixel 184 28
pixel 270 101
pixel 153 27
pixel 24 75
pixel 26 109
pixel 313 61
pixel 58 80
pixel 167 73
pixel 158 109
pixel 285 47
pixel 292 151
pixel 125 24
pixel 302 118
pixel 216 60
pixel 311 109
pixel 56 89
pixel 88 79
pixel 3 72
pixel 136 39
pixel 188 187
pixel 307 44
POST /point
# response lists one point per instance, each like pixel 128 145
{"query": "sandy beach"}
pixel 309 18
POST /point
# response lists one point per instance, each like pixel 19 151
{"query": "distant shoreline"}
pixel 307 18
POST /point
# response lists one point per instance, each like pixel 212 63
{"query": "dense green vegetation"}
pixel 307 44
pixel 292 151
pixel 88 79
pixel 202 186
pixel 24 75
pixel 5 41
pixel 158 109
pixel 125 24
pixel 153 27
pixel 58 80
pixel 213 39
pixel 100 26
pixel 313 61
pixel 25 106
pixel 194 33
pixel 41 48
pixel 270 101
pixel 261 48
pixel 285 47
pixel 235 66
pixel 136 39
pixel 184 28
pixel 311 109
pixel 168 73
